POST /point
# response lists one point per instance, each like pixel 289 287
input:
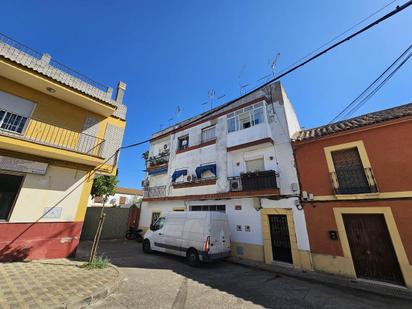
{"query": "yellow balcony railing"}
pixel 39 132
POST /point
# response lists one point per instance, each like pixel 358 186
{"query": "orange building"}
pixel 356 180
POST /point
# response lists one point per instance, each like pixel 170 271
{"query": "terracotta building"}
pixel 356 181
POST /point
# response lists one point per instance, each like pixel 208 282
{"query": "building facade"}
pixel 124 197
pixel 57 127
pixel 236 158
pixel 356 181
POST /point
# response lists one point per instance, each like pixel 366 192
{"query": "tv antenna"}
pixel 272 62
pixel 211 96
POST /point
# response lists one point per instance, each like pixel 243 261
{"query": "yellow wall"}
pixel 48 108
pixel 41 191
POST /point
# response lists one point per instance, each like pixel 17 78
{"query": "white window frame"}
pixel 206 129
pixel 249 109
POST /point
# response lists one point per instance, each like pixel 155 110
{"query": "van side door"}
pixel 173 235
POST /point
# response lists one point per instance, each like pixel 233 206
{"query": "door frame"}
pixel 395 237
pixel 267 240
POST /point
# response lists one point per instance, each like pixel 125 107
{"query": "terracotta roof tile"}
pixel 356 122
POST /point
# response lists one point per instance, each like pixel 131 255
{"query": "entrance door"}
pixel 279 233
pixel 9 189
pixel 371 248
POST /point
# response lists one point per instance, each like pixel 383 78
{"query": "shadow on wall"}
pixel 39 241
pixel 14 254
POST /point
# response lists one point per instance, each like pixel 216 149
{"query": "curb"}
pixel 100 294
pixel 385 290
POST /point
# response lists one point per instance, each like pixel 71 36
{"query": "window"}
pixel 158 224
pixel 9 188
pixel 183 142
pixel 255 165
pixel 208 134
pixel 208 208
pixel 246 117
pixel 12 122
pixel 122 200
pixel 155 216
pixel 349 172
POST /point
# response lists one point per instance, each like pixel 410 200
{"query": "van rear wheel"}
pixel 193 257
pixel 146 246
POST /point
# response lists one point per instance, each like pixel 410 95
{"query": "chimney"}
pixel 121 87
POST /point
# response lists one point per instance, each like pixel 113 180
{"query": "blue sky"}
pixel 171 53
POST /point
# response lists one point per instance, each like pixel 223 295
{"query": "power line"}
pixel 206 114
pixel 397 10
pixel 339 35
pixel 370 91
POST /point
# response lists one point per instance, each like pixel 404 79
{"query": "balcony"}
pixel 157 164
pixel 354 181
pixel 28 129
pixel 254 181
pixel 154 192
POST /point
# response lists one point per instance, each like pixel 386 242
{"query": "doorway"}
pixel 371 248
pixel 279 233
pixel 10 185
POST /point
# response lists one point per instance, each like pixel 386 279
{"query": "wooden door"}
pixel 279 233
pixel 371 247
pixel 134 215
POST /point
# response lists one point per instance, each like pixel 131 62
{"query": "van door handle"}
pixel 160 234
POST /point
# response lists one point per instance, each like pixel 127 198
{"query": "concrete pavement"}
pixel 165 281
pixel 52 283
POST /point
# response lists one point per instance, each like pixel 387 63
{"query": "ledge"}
pixel 225 195
pixel 197 146
pixel 250 144
pixel 206 182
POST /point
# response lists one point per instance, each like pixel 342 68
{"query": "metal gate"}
pixel 371 247
pixel 279 233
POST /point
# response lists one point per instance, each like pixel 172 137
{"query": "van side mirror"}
pixel 152 227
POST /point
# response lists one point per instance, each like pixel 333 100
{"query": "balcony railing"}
pixel 150 192
pixel 39 132
pixel 254 181
pixel 354 181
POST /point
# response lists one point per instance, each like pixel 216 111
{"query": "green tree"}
pixel 104 186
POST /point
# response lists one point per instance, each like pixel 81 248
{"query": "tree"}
pixel 104 186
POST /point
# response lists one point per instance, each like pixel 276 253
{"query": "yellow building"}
pixel 57 127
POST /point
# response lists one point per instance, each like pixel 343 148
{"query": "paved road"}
pixel 164 281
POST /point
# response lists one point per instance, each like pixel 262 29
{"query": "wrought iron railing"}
pixel 159 191
pixel 354 180
pixel 18 47
pixel 254 181
pixel 25 128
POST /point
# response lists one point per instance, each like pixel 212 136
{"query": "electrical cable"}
pixel 354 105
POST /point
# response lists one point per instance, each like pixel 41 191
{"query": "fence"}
pixel 115 224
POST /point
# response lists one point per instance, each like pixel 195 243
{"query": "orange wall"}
pixel 389 149
pixel 320 219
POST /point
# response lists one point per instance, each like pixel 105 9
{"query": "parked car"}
pixel 197 235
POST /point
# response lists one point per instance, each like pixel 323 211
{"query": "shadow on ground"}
pixel 267 289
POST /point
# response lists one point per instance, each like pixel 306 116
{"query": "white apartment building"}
pixel 236 158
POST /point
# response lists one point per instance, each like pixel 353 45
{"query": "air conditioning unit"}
pixel 190 178
pixel 235 184
pixel 145 183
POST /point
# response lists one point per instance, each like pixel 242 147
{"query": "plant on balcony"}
pixel 162 158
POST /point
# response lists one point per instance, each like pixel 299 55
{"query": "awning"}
pixel 204 168
pixel 177 174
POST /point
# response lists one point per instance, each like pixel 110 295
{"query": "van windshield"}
pixel 159 223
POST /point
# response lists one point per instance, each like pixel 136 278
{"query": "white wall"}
pixel 41 191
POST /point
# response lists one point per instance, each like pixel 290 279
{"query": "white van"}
pixel 198 235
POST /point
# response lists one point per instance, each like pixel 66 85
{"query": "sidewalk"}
pixel 57 283
pixel 378 288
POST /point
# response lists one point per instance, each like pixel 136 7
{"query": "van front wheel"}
pixel 192 257
pixel 146 246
